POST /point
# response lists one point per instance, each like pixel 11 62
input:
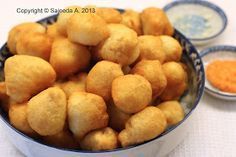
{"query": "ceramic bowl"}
pixel 159 146
pixel 218 53
pixel 195 18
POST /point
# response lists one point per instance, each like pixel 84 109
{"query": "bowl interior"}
pixel 189 100
pixel 218 53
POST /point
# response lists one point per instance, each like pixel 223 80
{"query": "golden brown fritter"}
pixel 18 118
pixel 110 15
pixel 131 19
pixel 100 78
pixel 86 112
pixel 176 81
pixel 35 44
pixel 143 126
pixel 174 72
pixel 52 31
pixel 26 76
pixel 153 72
pixel 121 47
pixel 155 22
pixel 87 29
pixel 46 112
pixel 19 29
pixel 131 93
pixel 151 48
pixel 68 58
pixel 173 92
pixel 173 111
pixel 172 48
pixel 102 139
pixel 74 84
pixel 63 18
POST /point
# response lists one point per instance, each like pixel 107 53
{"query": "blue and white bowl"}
pixel 218 53
pixel 200 21
pixel 159 146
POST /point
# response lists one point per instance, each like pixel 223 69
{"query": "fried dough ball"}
pixel 35 44
pixel 174 73
pixel 176 81
pixel 86 112
pixel 187 71
pixel 117 118
pixel 143 126
pixel 52 31
pixel 151 48
pixel 102 139
pixel 26 76
pixel 122 45
pixel 68 58
pixel 22 28
pixel 152 71
pixel 131 93
pixel 100 78
pixel 173 92
pixel 63 18
pixel 173 111
pixel 131 19
pixel 172 48
pixel 4 98
pixel 74 84
pixel 63 139
pixel 46 111
pixel 87 29
pixel 155 22
pixel 110 15
pixel 18 118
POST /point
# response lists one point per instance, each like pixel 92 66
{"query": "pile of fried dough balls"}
pixel 95 81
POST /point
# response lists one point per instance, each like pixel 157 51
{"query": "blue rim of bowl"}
pixel 212 6
pixel 215 49
pixel 195 104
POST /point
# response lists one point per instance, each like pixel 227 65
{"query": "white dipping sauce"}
pixel 195 21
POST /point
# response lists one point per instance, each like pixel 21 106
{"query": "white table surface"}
pixel 214 128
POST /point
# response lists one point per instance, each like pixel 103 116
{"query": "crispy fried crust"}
pixel 46 112
pixel 153 72
pixel 131 93
pixel 26 76
pixel 102 139
pixel 86 112
pixel 100 78
pixel 143 126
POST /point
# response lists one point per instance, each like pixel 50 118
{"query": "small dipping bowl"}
pixel 200 21
pixel 218 53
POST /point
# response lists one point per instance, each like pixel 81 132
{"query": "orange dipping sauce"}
pixel 222 75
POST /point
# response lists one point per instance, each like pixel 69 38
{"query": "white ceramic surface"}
pixel 156 148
